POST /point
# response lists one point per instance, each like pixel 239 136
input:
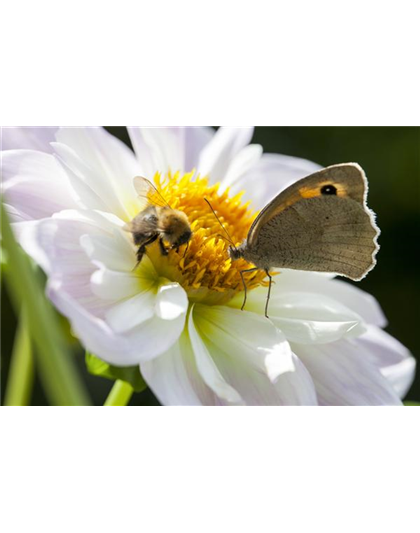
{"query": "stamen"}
pixel 203 266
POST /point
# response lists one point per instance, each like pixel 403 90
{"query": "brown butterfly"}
pixel 320 223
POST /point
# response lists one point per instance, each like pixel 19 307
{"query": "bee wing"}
pixel 148 192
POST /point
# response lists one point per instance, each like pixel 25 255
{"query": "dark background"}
pixel 391 159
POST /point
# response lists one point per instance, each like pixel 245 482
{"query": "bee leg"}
pixel 269 292
pixel 242 272
pixel 140 253
pixel 142 250
pixel 163 250
pixel 186 249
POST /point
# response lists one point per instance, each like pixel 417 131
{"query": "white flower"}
pixel 179 317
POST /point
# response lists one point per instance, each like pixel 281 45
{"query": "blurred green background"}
pixel 391 159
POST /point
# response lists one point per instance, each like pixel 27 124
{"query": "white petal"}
pixel 217 156
pixel 142 343
pixel 241 163
pixel 167 148
pixel 250 338
pixel 207 368
pixel 103 165
pixel 174 379
pixel 38 138
pixel 163 149
pixel 92 189
pixel 34 184
pixel 360 302
pixel 70 288
pixel 116 252
pixel 196 138
pixel 171 301
pixel 143 153
pixel 391 357
pixel 111 285
pixel 54 244
pixel 306 318
pixel 271 175
pixel 129 313
pixel 344 375
pixel 253 356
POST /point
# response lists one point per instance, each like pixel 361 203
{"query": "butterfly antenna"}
pixel 218 220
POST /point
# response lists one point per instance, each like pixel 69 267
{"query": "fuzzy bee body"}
pixel 157 222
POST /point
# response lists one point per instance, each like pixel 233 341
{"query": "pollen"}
pixel 204 268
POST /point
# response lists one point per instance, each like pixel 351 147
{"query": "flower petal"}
pixel 195 141
pixel 163 149
pixel 254 357
pixel 111 285
pixel 306 318
pixel 241 163
pixel 171 301
pixel 344 292
pixel 174 379
pixel 344 374
pixel 38 138
pixel 247 336
pixel 391 357
pixel 115 251
pixel 101 169
pixel 129 313
pixel 271 175
pixel 142 343
pixel 217 156
pixel 34 184
pixel 208 369
pixel 90 297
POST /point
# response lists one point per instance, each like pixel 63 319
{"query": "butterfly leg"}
pixel 242 272
pixel 269 292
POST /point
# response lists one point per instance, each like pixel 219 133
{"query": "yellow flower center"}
pixel 205 270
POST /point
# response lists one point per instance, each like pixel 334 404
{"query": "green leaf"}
pixel 412 408
pixel 129 374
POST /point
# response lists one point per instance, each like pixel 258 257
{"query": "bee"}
pixel 157 221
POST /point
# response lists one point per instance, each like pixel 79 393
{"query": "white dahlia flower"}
pixel 69 192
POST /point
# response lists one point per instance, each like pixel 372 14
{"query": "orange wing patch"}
pixel 313 192
pixel 306 192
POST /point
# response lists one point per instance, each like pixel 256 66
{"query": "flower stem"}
pixel 16 433
pixel 120 394
pixel 57 369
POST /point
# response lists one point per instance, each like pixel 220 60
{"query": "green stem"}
pixel 57 370
pixel 16 433
pixel 120 394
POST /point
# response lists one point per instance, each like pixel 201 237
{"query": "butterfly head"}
pixel 236 252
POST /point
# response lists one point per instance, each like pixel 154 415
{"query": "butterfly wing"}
pixel 321 223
